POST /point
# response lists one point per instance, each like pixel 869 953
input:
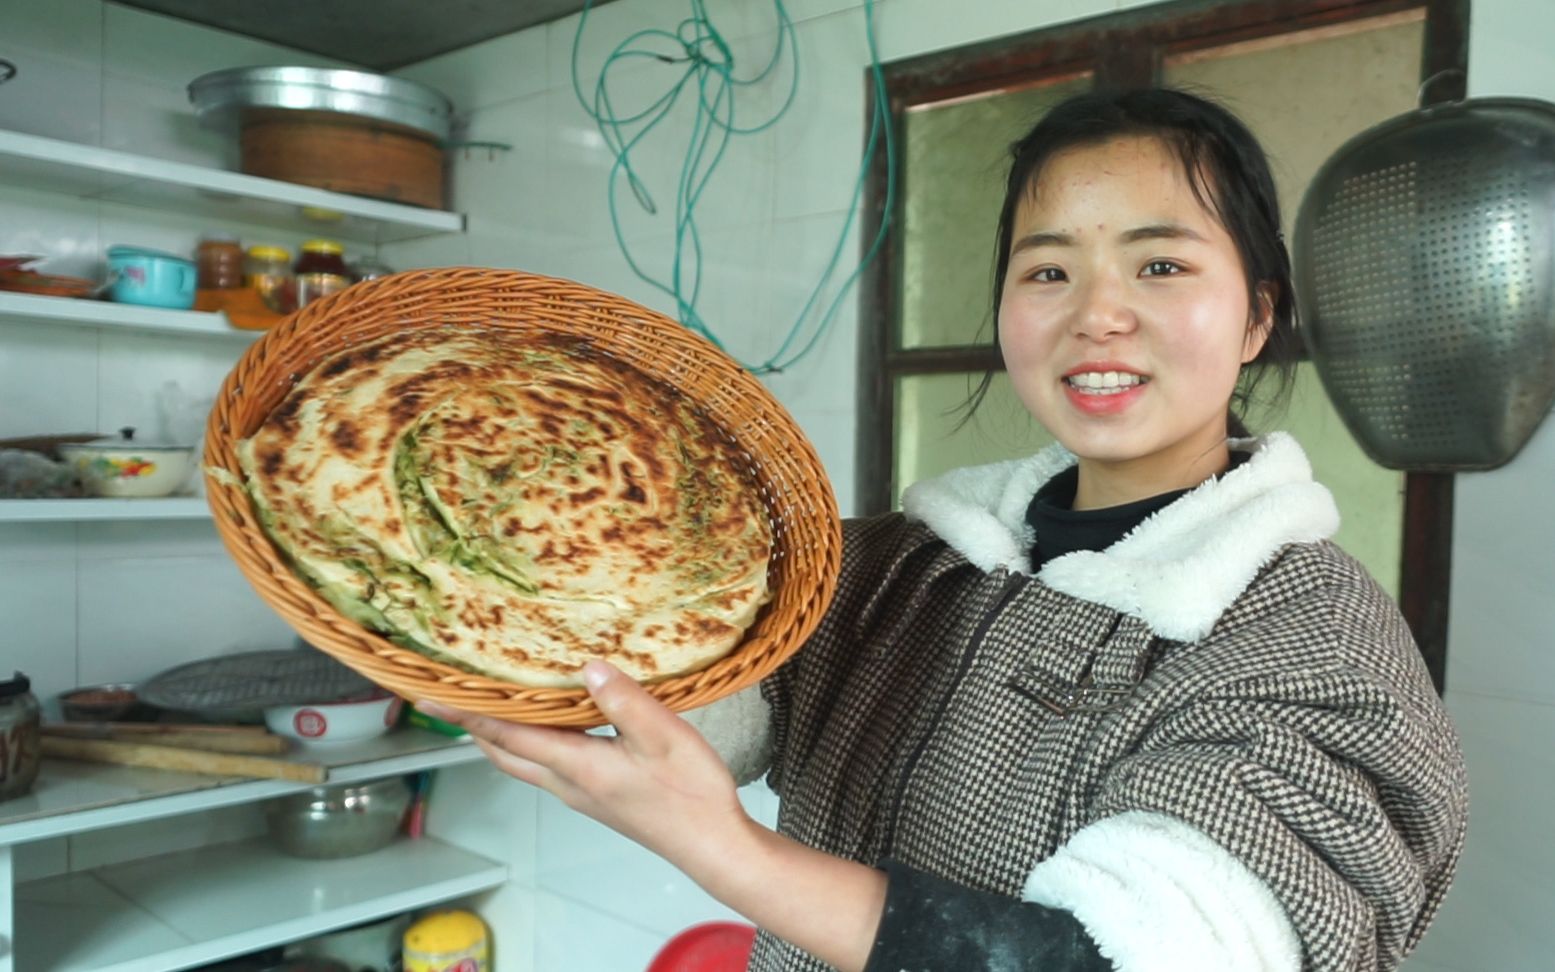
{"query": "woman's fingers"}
pixel 516 766
pixel 643 723
pixel 545 745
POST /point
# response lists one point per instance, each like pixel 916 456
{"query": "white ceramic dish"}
pixel 327 723
pixel 125 466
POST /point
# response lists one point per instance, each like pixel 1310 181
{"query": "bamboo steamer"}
pixel 343 153
pixel 346 131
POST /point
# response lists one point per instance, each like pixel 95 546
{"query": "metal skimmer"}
pixel 1425 274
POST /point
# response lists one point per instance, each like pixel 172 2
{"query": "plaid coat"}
pixel 1214 742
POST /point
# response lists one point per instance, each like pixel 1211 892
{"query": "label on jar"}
pixel 472 959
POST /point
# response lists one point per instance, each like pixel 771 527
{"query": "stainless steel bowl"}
pixel 219 98
pixel 342 820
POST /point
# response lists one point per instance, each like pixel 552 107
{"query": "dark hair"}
pixel 1230 176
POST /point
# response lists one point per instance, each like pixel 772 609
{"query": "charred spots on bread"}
pixel 346 438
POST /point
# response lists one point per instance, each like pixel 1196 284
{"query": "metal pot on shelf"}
pixel 345 131
pixel 342 820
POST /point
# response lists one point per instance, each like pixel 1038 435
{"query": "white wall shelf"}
pixel 89 172
pixel 86 509
pixel 193 907
pixel 73 796
pixel 70 312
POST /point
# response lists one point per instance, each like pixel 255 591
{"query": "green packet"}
pixel 419 719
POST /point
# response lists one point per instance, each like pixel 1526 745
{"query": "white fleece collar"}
pixel 1178 570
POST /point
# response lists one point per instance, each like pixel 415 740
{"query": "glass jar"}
pixel 21 745
pixel 320 270
pixel 268 269
pixel 369 269
pixel 219 262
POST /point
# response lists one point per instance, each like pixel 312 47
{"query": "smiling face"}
pixel 1124 319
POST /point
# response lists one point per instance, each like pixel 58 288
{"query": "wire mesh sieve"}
pixel 1425 274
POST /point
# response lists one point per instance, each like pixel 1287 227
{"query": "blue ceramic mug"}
pixel 150 278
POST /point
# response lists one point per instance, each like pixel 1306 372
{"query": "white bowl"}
pixel 124 466
pixel 336 722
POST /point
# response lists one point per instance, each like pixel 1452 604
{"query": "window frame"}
pixel 1128 49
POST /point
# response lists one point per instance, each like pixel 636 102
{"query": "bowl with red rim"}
pixel 346 721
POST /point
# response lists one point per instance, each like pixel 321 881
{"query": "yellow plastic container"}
pixel 447 941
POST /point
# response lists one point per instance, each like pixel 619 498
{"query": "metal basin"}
pixel 342 820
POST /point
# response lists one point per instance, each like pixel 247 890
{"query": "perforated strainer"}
pixel 1425 273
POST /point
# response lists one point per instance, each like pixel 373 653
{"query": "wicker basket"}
pixel 807 537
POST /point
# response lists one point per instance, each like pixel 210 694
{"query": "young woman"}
pixel 1118 705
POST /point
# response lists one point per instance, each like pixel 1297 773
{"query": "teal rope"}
pixel 708 60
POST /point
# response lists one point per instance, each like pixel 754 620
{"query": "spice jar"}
pixel 21 747
pixel 268 269
pixel 320 270
pixel 219 262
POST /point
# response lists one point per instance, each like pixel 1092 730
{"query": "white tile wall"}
pixel 488 813
pixel 73 26
pixel 818 146
pixel 51 95
pixel 489 73
pixel 569 934
pixel 66 401
pixel 171 52
pixel 1497 914
pixel 142 615
pixel 38 602
pixel 103 848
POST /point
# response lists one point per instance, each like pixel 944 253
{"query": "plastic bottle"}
pixel 446 941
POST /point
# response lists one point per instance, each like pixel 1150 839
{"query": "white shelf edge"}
pixel 33 309
pixel 466 873
pixel 128 167
pixel 210 792
pixel 102 509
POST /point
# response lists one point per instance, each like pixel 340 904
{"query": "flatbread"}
pixel 514 506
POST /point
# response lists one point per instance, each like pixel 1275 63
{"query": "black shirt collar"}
pixel 1061 529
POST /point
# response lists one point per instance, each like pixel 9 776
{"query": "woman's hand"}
pixel 657 781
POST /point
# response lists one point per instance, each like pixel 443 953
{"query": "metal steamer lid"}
pixel 1425 273
pixel 220 98
pixel 255 680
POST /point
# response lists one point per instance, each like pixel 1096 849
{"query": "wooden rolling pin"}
pixel 183 760
pixel 222 740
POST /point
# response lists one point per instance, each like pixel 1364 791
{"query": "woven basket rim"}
pixel 775 448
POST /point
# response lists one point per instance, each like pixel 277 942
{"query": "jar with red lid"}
pixel 320 270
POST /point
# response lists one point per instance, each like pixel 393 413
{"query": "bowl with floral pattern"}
pixel 123 465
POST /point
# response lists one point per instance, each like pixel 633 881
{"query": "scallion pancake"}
pixel 514 506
